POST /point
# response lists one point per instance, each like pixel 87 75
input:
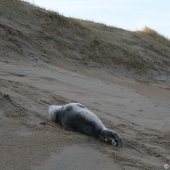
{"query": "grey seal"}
pixel 77 117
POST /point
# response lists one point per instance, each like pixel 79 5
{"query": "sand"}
pixel 30 141
pixel 122 76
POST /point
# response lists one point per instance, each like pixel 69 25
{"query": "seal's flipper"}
pixel 111 137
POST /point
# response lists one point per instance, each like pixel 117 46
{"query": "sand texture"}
pixel 29 140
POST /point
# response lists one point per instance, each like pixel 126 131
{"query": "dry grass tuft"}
pixel 150 32
pixel 154 34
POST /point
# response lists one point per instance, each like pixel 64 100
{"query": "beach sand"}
pixel 139 112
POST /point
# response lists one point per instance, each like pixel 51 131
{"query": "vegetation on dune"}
pixel 46 35
pixel 158 37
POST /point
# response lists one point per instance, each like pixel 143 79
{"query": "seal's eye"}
pixel 69 108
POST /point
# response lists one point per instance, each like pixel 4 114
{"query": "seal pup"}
pixel 76 117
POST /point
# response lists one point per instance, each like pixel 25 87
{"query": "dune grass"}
pixel 157 36
pixel 56 35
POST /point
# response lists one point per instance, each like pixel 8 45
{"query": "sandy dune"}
pixel 122 76
pixel 29 140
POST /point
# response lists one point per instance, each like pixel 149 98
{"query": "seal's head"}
pixel 54 111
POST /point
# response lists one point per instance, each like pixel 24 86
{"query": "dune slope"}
pixel 46 58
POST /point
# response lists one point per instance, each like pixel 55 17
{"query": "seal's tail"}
pixel 53 111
